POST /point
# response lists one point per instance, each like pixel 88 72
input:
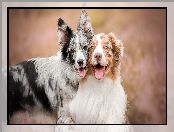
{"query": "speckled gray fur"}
pixel 48 84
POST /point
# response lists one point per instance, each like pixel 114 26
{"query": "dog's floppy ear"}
pixel 84 25
pixel 117 46
pixel 64 32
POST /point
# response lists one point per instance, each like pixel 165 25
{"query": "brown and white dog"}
pixel 100 98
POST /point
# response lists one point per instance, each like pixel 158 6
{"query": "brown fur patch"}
pixel 117 46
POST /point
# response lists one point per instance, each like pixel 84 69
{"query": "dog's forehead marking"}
pixel 77 44
pixel 99 45
pixel 99 48
pixel 80 39
pixel 77 40
pixel 99 38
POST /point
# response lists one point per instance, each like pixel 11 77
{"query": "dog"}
pixel 46 85
pixel 100 98
pixel 95 128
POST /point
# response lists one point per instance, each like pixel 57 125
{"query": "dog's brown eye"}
pixel 106 47
pixel 85 47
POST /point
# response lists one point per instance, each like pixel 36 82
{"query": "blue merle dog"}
pixel 47 85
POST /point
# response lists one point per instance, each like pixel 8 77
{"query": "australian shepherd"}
pixel 100 98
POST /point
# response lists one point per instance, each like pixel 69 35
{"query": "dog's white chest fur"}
pixel 99 101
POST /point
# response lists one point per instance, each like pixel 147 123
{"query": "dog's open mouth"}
pixel 99 71
pixel 81 72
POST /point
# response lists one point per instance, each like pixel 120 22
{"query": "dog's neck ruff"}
pixel 99 101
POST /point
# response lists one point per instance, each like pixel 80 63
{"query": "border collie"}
pixel 100 98
pixel 46 85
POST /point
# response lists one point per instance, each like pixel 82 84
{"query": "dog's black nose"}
pixel 98 56
pixel 80 62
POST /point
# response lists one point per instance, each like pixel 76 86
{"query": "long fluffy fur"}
pixel 94 128
pixel 102 101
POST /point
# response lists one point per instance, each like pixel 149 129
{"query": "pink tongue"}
pixel 99 73
pixel 81 72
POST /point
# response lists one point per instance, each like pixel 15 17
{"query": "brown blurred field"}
pixel 32 33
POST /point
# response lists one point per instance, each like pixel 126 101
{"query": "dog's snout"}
pixel 80 62
pixel 98 56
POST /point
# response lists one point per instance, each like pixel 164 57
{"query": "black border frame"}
pixel 165 8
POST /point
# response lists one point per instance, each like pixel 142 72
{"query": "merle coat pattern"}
pixel 47 84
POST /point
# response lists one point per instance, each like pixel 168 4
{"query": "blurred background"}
pixel 32 33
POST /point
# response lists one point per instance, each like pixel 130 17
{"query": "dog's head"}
pixel 75 44
pixel 105 53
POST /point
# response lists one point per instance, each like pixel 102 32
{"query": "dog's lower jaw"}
pixel 99 71
pixel 81 72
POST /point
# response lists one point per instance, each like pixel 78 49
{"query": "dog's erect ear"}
pixel 84 25
pixel 64 32
pixel 117 46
